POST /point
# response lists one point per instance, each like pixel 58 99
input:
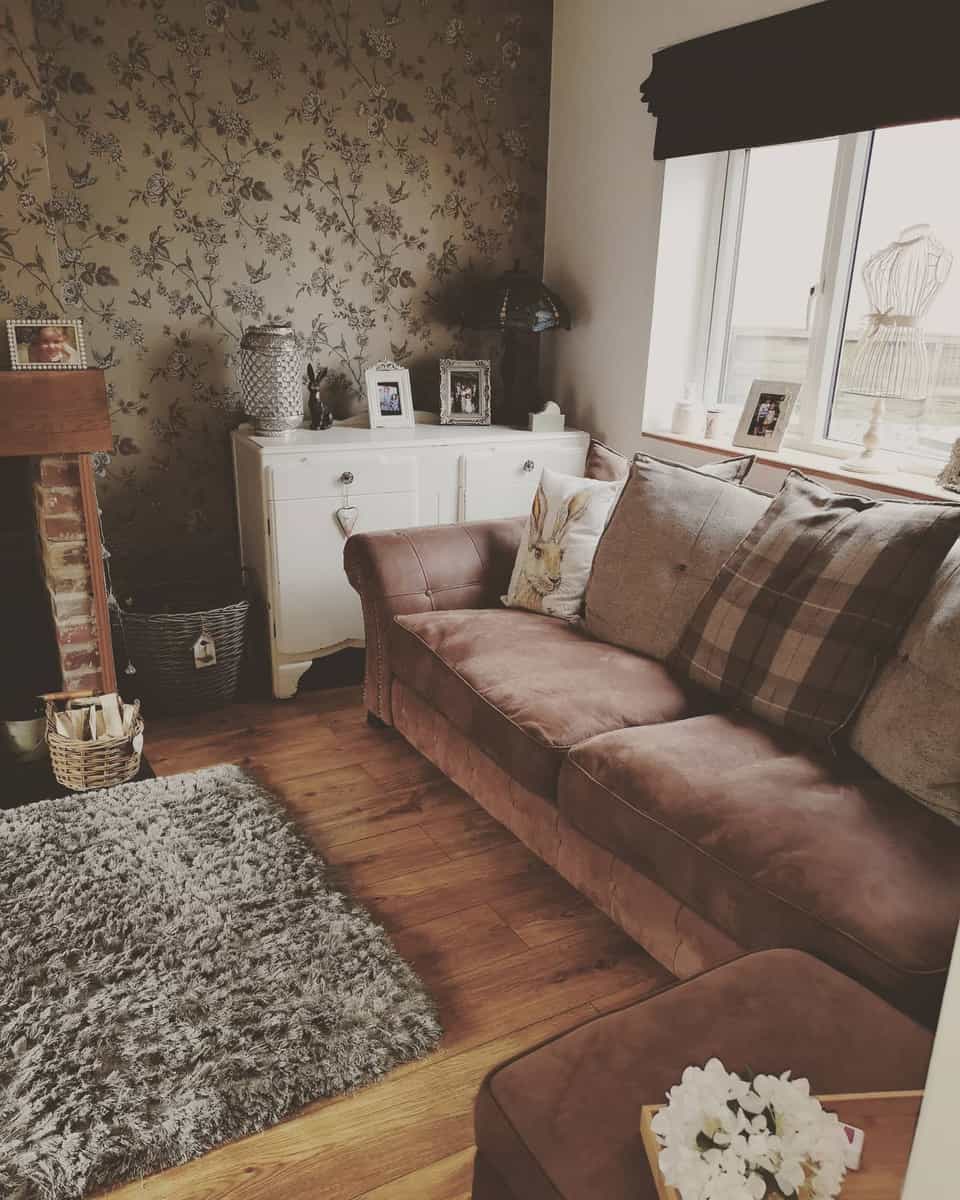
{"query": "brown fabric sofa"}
pixel 703 833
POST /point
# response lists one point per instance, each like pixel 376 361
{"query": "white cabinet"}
pixel 289 492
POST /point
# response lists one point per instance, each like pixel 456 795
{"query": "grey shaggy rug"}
pixel 177 970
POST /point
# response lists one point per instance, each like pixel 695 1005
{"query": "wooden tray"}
pixel 888 1120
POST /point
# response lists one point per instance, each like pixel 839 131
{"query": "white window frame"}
pixel 831 296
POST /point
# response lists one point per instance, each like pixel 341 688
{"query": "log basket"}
pixel 159 647
pixel 81 766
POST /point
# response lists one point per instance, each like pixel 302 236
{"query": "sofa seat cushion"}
pixel 526 687
pixel 778 845
pixel 561 1121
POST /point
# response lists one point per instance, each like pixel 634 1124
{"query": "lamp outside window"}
pixel 515 303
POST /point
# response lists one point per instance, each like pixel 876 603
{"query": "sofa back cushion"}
pixel 909 727
pixel 607 464
pixel 671 531
pixel 812 601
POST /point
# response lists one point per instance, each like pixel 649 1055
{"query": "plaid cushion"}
pixel 814 597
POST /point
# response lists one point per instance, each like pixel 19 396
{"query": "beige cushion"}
pixel 671 531
pixel 816 596
pixel 909 726
pixel 556 551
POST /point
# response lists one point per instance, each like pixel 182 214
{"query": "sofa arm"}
pixel 423 570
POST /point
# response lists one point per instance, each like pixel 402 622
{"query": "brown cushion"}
pixel 605 463
pixel 812 600
pixel 561 1121
pixel 778 845
pixel 667 537
pixel 526 687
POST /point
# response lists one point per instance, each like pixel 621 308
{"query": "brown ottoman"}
pixel 561 1122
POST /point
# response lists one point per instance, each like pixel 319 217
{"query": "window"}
pixel 786 203
pixel 798 227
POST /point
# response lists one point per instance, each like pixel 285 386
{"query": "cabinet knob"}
pixel 529 464
pixel 346 477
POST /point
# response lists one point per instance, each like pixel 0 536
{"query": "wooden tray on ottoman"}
pixel 888 1120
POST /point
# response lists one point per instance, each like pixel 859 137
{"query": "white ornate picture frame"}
pixel 766 414
pixel 465 391
pixel 53 345
pixel 389 397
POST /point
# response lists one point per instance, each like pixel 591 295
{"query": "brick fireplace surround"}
pixel 56 419
pixel 70 542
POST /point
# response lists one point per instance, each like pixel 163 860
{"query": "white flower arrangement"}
pixel 727 1138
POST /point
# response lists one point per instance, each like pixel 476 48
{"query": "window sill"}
pixel 894 483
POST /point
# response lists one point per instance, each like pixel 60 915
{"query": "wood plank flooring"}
pixel 511 954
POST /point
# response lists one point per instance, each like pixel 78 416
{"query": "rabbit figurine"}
pixel 542 571
pixel 320 416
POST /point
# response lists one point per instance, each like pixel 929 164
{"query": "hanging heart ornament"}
pixel 347 518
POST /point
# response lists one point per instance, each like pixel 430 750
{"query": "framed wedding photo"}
pixel 46 345
pixel 389 397
pixel 465 391
pixel 766 414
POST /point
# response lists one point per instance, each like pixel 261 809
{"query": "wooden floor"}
pixel 511 954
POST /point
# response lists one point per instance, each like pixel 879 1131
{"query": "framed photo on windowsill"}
pixel 766 414
pixel 389 398
pixel 46 345
pixel 465 391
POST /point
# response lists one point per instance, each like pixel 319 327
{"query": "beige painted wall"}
pixel 603 197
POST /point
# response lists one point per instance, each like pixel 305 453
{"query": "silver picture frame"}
pixel 465 397
pixel 49 345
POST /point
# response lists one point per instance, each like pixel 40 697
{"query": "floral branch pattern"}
pixel 211 165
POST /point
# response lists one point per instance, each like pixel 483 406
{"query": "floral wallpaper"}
pixel 172 171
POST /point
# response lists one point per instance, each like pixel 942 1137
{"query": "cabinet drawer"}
pixel 500 481
pixel 506 466
pixel 314 475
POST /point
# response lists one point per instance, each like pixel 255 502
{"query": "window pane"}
pixel 909 230
pixel 781 248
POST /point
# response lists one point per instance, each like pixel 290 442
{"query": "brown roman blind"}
pixel 839 66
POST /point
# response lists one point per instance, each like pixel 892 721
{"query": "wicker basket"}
pixel 160 646
pixel 82 765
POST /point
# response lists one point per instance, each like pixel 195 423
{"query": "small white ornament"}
pixel 347 518
pixel 549 419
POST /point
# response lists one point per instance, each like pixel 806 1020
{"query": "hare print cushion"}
pixel 556 552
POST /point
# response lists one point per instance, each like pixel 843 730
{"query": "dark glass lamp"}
pixel 516 302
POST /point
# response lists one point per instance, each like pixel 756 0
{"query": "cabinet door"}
pixel 499 481
pixel 315 607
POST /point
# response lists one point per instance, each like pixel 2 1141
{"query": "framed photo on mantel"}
pixel 49 345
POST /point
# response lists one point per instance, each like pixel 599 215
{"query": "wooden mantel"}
pixel 53 412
